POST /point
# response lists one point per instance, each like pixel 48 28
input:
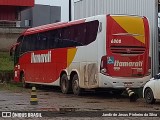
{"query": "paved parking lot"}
pixel 53 100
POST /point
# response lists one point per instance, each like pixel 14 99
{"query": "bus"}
pixel 101 52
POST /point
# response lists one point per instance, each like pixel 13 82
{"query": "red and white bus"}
pixel 104 51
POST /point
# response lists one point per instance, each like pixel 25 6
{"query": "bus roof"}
pixel 52 26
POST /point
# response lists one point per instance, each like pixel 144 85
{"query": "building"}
pixel 10 17
pixel 40 15
pixel 148 8
pixel 21 14
pixel 45 12
pixel 10 11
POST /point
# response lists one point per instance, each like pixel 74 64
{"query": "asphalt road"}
pixel 91 105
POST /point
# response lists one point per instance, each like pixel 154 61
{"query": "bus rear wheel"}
pixel 64 84
pixel 75 85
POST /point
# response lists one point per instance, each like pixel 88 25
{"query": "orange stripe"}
pixel 70 55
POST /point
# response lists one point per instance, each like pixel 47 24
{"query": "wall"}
pixel 26 15
pixel 148 8
pixel 8 37
pixel 64 4
pixel 40 15
pixel 8 13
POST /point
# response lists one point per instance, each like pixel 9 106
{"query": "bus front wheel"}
pixel 24 84
pixel 64 84
pixel 75 85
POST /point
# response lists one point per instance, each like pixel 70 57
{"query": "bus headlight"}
pixel 15 74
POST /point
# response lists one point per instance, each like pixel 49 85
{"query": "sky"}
pixel 63 3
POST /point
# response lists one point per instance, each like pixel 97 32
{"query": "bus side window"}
pixel 86 33
pixel 32 42
pixel 92 30
pixel 58 39
pixel 53 39
pixel 68 37
pixel 81 33
pixel 72 36
pixel 42 41
pixel 65 39
pixel 29 43
pixel 50 41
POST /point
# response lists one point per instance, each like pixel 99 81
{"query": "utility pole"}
pixel 70 10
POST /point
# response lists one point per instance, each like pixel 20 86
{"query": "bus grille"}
pixel 127 50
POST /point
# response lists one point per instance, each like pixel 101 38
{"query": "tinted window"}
pixel 17 50
pixel 41 42
pixel 29 43
pixel 91 33
pixel 54 38
pixel 76 35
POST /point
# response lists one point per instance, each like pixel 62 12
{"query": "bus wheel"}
pixel 75 85
pixel 149 97
pixel 24 84
pixel 64 84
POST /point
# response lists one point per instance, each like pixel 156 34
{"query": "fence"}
pixel 8 23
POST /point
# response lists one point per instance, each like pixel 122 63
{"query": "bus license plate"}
pixel 128 84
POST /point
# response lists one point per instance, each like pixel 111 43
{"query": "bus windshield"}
pixel 17 50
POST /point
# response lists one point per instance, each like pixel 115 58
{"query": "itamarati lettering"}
pixel 117 63
pixel 41 58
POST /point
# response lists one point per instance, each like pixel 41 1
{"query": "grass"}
pixel 6 62
pixel 14 87
pixel 7 66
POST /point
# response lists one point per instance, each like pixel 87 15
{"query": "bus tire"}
pixel 149 97
pixel 64 84
pixel 24 84
pixel 75 85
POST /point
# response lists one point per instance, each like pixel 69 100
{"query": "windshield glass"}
pixel 17 50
